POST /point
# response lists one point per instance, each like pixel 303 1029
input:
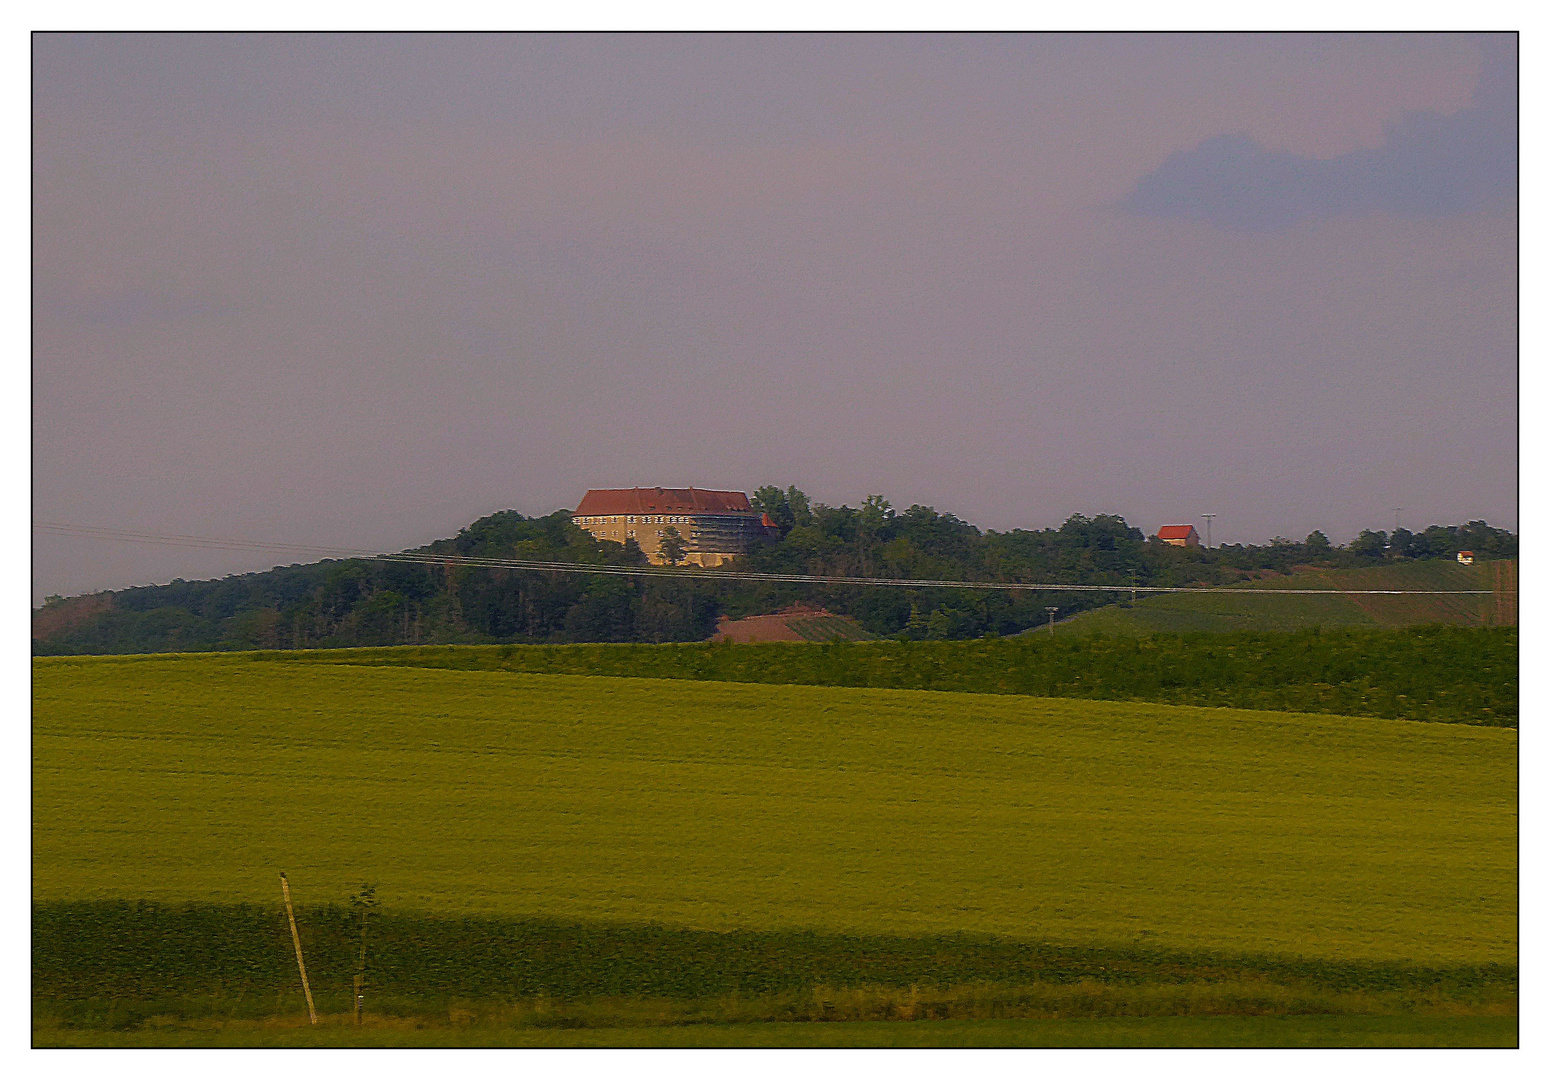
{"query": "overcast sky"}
pixel 360 291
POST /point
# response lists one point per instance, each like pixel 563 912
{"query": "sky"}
pixel 359 291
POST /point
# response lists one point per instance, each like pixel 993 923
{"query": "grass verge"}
pixel 1151 1031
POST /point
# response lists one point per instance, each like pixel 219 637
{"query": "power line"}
pixel 426 558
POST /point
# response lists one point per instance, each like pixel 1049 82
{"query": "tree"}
pixel 1399 543
pixel 801 510
pixel 787 509
pixel 1484 541
pixel 875 513
pixel 1317 543
pixel 772 501
pixel 633 554
pixel 1437 542
pixel 673 548
pixel 1370 543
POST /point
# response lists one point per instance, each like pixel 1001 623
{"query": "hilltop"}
pixel 356 602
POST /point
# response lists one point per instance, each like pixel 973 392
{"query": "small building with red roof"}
pixel 716 526
pixel 1179 535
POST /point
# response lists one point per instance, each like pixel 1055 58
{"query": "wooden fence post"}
pixel 285 887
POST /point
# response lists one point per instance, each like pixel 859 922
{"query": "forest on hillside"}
pixel 353 602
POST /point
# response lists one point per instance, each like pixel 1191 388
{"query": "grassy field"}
pixel 718 806
pixel 1437 673
pixel 1225 612
pixel 1223 848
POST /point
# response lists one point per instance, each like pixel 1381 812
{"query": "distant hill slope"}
pixel 1178 612
pixel 349 603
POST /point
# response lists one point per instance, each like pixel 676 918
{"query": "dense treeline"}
pixel 1437 673
pixel 355 602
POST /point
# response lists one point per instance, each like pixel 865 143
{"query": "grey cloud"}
pixel 1428 165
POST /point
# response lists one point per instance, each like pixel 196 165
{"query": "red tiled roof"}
pixel 1175 532
pixel 600 501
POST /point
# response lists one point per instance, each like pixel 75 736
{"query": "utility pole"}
pixel 1208 518
pixel 1052 611
pixel 1397 509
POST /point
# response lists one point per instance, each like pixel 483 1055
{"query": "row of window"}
pixel 660 519
pixel 631 532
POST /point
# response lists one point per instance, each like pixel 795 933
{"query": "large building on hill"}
pixel 716 525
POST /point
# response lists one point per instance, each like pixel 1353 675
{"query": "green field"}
pixel 828 628
pixel 1208 846
pixel 1226 612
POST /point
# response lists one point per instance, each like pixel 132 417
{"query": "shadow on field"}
pixel 182 970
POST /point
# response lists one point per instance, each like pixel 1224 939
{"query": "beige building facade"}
pixel 716 526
